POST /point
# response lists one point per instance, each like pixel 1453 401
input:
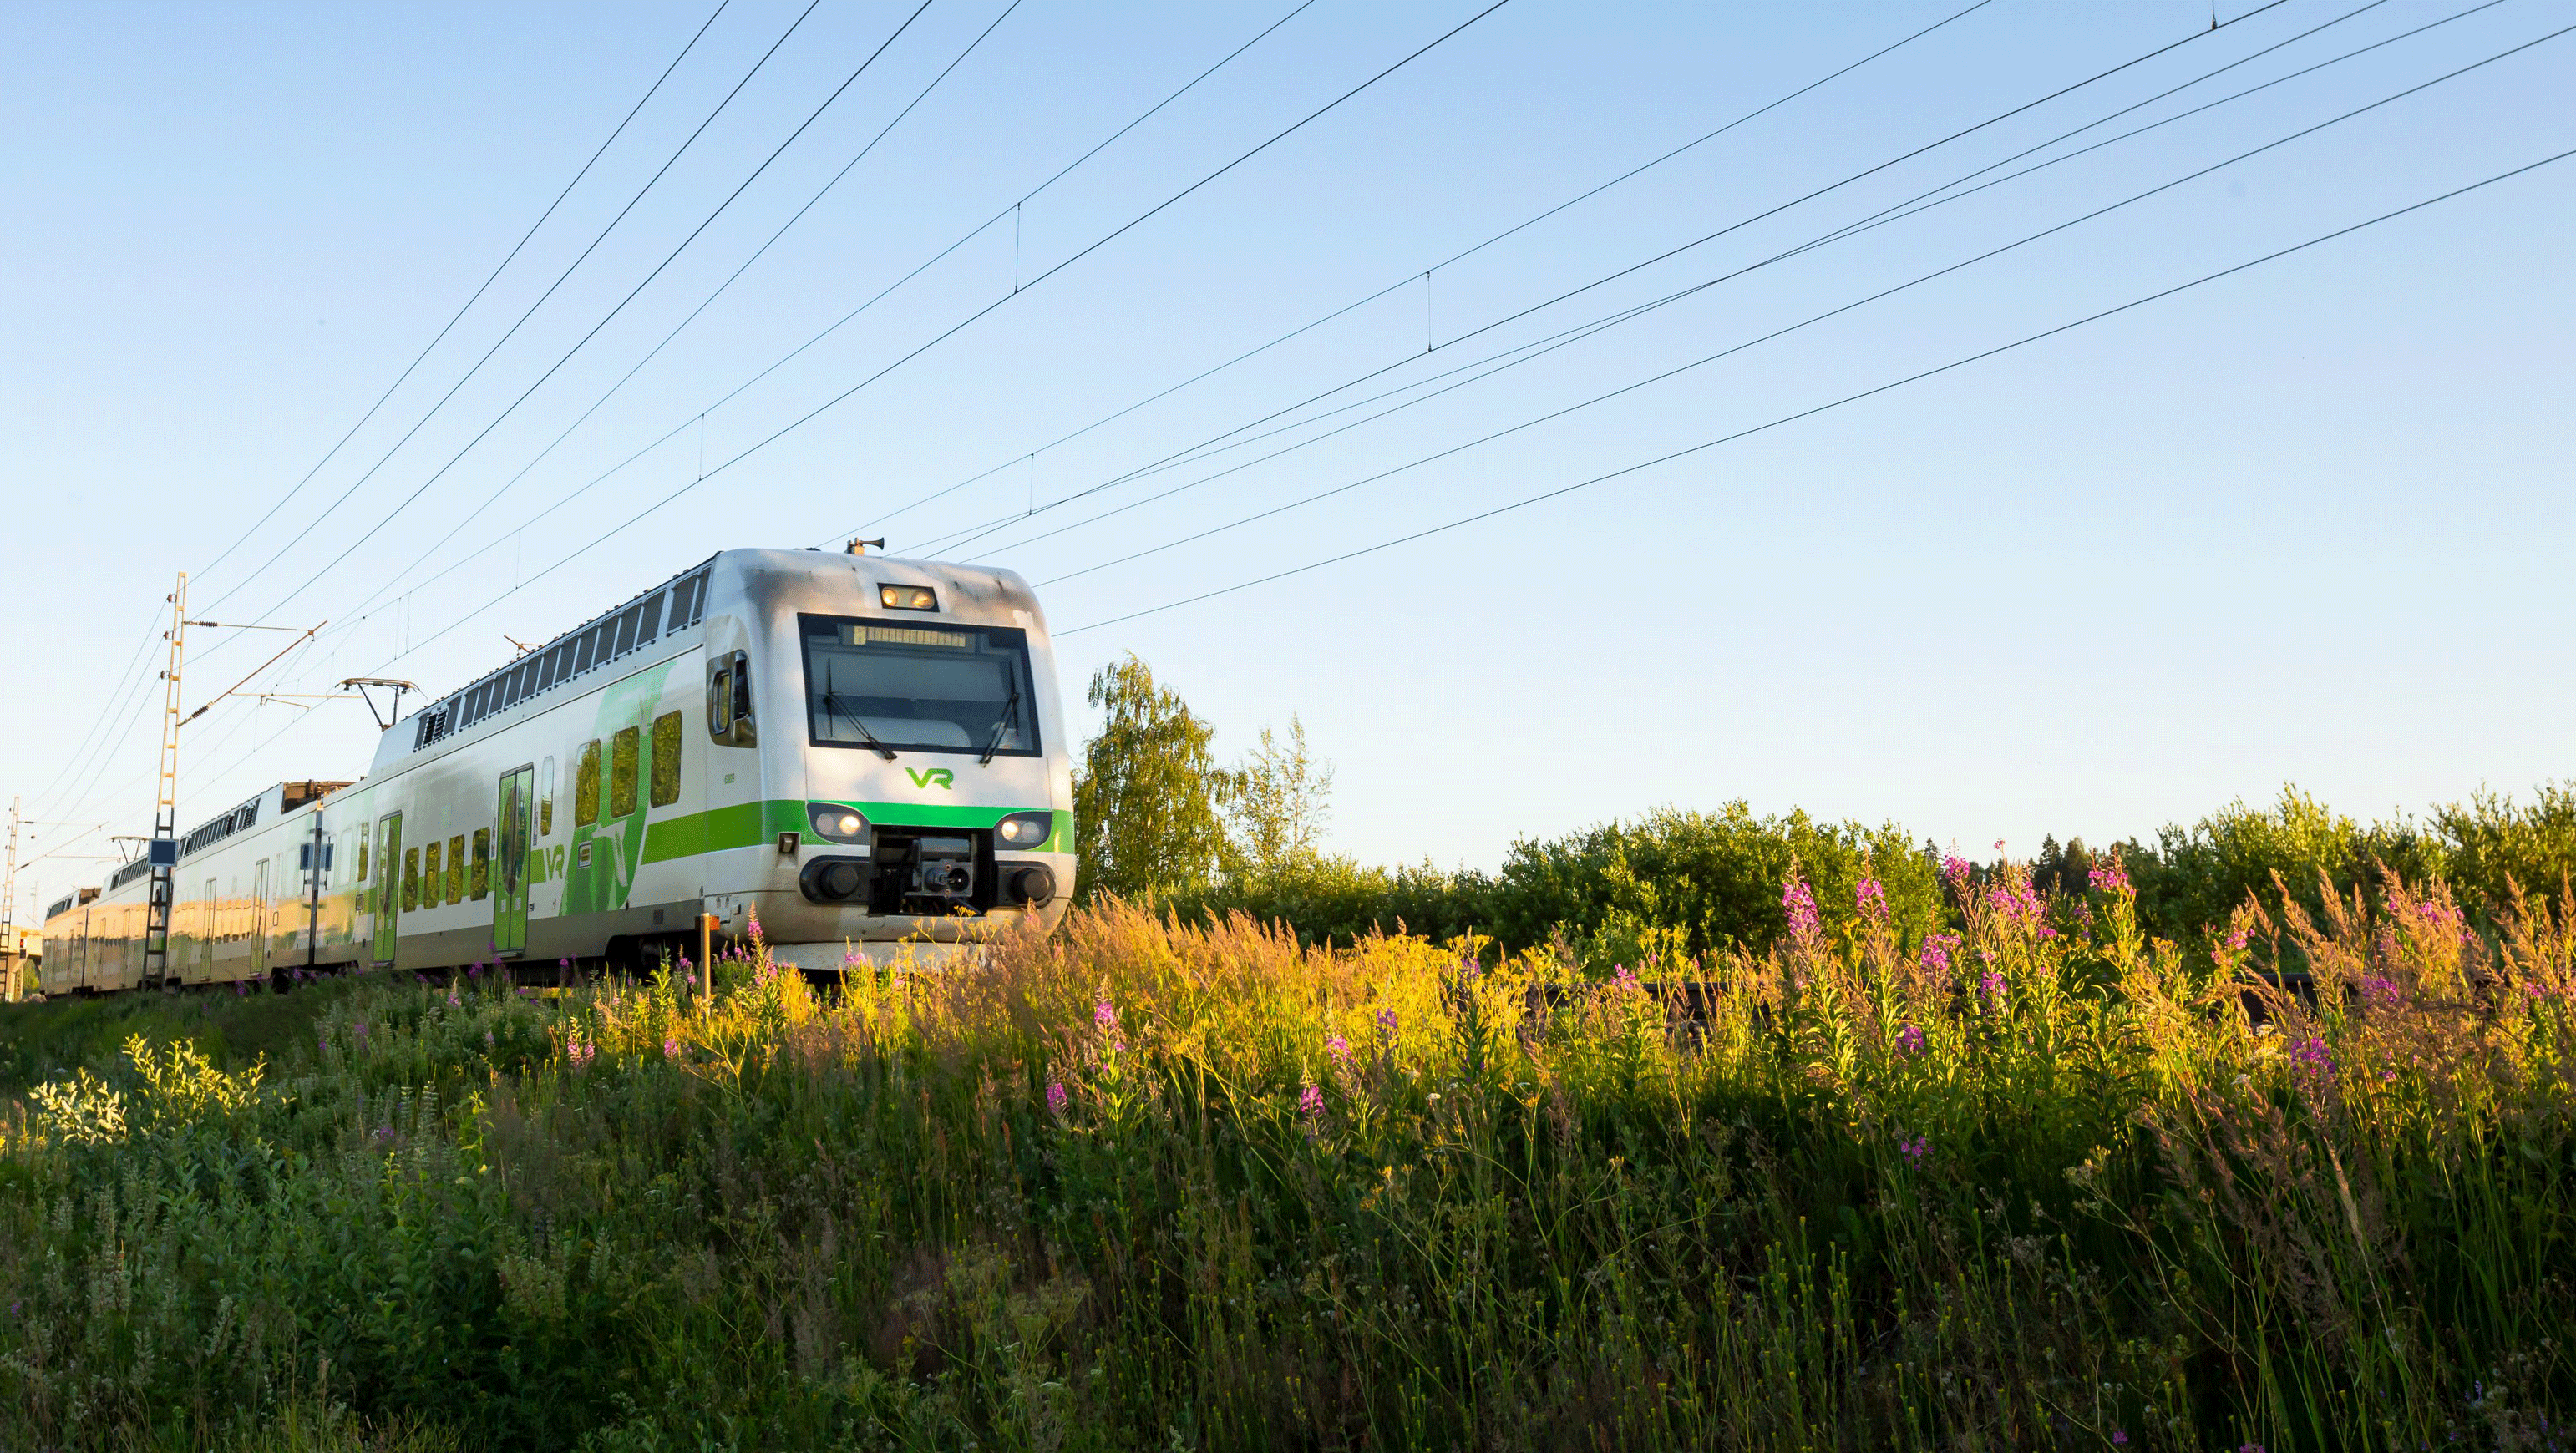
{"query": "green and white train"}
pixel 865 754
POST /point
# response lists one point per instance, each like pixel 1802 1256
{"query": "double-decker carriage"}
pixel 866 754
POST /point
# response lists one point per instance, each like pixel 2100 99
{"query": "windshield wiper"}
pixel 1009 718
pixel 832 700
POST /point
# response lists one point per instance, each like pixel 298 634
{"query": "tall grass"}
pixel 2031 1180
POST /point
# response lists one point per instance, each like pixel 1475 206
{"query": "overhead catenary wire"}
pixel 1528 352
pixel 1728 352
pixel 699 418
pixel 1732 227
pixel 1957 363
pixel 1409 279
pixel 512 331
pixel 389 516
pixel 1595 190
pixel 613 389
pixel 468 305
pixel 1088 249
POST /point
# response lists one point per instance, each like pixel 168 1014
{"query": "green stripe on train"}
pixel 747 823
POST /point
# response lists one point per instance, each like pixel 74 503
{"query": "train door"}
pixel 209 919
pixel 510 898
pixel 262 919
pixel 388 871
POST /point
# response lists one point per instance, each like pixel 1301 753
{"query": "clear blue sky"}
pixel 2308 523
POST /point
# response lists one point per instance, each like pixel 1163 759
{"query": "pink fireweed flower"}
pixel 1623 977
pixel 1937 949
pixel 670 1049
pixel 2236 940
pixel 1991 984
pixel 1955 871
pixel 2119 1437
pixel 2015 903
pixel 1386 1023
pixel 2111 877
pixel 1057 1098
pixel 2382 991
pixel 453 1002
pixel 1800 906
pixel 2047 932
pixel 1870 899
pixel 1916 1149
pixel 1340 1050
pixel 1909 1040
pixel 2313 1063
pixel 1104 1015
pixel 1310 1102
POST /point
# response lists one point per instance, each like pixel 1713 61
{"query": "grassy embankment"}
pixel 2035 1182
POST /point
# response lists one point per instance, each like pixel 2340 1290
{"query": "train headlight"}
pixel 835 823
pixel 907 597
pixel 1025 829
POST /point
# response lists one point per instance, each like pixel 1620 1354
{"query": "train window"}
pixel 729 718
pixel 666 759
pixel 623 749
pixel 430 862
pixel 546 798
pixel 554 666
pixel 481 887
pixel 924 688
pixel 626 625
pixel 581 651
pixel 411 879
pixel 585 786
pixel 652 626
pixel 456 869
pixel 362 856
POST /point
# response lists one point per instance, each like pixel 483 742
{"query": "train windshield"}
pixel 918 688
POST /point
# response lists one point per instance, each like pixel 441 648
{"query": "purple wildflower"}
pixel 1955 871
pixel 1340 1050
pixel 452 1001
pixel 1909 1040
pixel 1800 906
pixel 2014 902
pixel 384 1133
pixel 2313 1062
pixel 670 1048
pixel 361 1028
pixel 1104 1016
pixel 1870 899
pixel 1310 1102
pixel 1937 949
pixel 1057 1098
pixel 1623 978
pixel 2382 991
pixel 2236 939
pixel 1915 1149
pixel 1386 1023
pixel 1991 984
pixel 2111 877
pixel 2119 1437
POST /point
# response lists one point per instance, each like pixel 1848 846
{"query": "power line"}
pixel 1806 322
pixel 863 153
pixel 469 303
pixel 1540 347
pixel 1809 413
pixel 1090 248
pixel 523 317
pixel 684 424
pixel 423 487
pixel 1410 278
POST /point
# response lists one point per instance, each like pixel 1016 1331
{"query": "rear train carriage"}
pixel 864 754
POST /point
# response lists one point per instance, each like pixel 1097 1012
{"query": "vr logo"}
pixel 939 777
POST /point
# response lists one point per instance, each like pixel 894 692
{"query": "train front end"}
pixel 896 726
